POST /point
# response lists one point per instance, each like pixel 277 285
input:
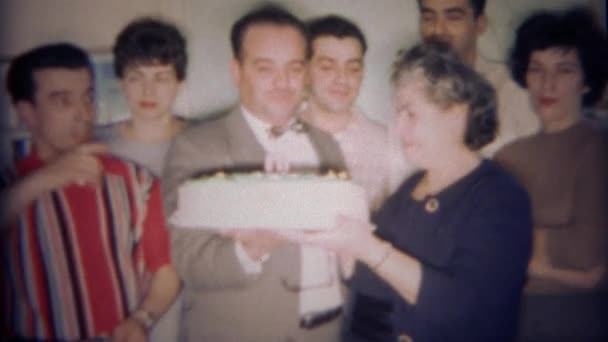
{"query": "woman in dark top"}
pixel 448 257
pixel 560 58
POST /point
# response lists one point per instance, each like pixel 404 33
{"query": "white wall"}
pixel 388 24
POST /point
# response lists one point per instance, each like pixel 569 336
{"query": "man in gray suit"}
pixel 245 286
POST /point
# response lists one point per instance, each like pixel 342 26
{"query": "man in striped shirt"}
pixel 84 243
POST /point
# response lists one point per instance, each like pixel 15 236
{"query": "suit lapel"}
pixel 245 151
pixel 247 154
pixel 328 152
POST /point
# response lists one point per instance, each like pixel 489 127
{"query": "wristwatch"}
pixel 144 317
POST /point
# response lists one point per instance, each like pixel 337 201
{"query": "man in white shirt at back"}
pixel 335 75
pixel 460 23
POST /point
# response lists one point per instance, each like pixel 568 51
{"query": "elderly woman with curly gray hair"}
pixel 445 258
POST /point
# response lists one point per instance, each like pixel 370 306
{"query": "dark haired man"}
pixel 460 23
pixel 335 73
pixel 83 232
pixel 247 286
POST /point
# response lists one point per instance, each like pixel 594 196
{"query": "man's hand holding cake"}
pixel 282 297
pixel 257 243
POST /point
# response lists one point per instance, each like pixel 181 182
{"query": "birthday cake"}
pixel 268 201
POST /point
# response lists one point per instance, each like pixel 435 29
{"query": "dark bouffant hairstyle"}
pixel 335 26
pixel 479 6
pixel 150 41
pixel 573 29
pixel 20 78
pixel 450 81
pixel 268 13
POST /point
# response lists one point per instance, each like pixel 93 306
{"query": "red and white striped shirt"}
pixel 74 263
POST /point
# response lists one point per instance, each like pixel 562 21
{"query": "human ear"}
pixel 457 115
pixel 122 83
pixel 235 71
pixel 181 85
pixel 481 24
pixel 27 113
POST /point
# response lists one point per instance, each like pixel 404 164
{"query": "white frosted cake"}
pixel 270 201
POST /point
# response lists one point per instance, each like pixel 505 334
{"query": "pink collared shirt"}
pixel 364 144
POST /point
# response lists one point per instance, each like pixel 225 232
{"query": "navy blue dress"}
pixel 473 240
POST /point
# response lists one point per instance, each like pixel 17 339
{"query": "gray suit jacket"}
pixel 221 301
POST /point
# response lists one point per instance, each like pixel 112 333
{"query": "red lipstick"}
pixel 147 104
pixel 547 101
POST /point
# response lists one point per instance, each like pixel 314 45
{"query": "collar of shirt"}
pixel 31 162
pixel 261 130
pixel 351 128
pixel 295 148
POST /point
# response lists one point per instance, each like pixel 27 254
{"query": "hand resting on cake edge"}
pixel 354 239
pixel 351 239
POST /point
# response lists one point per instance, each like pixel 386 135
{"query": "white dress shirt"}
pixel 295 149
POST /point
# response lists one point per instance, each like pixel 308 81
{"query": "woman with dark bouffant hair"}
pixel 150 62
pixel 445 257
pixel 561 58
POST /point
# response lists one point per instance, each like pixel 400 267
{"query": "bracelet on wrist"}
pixel 144 317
